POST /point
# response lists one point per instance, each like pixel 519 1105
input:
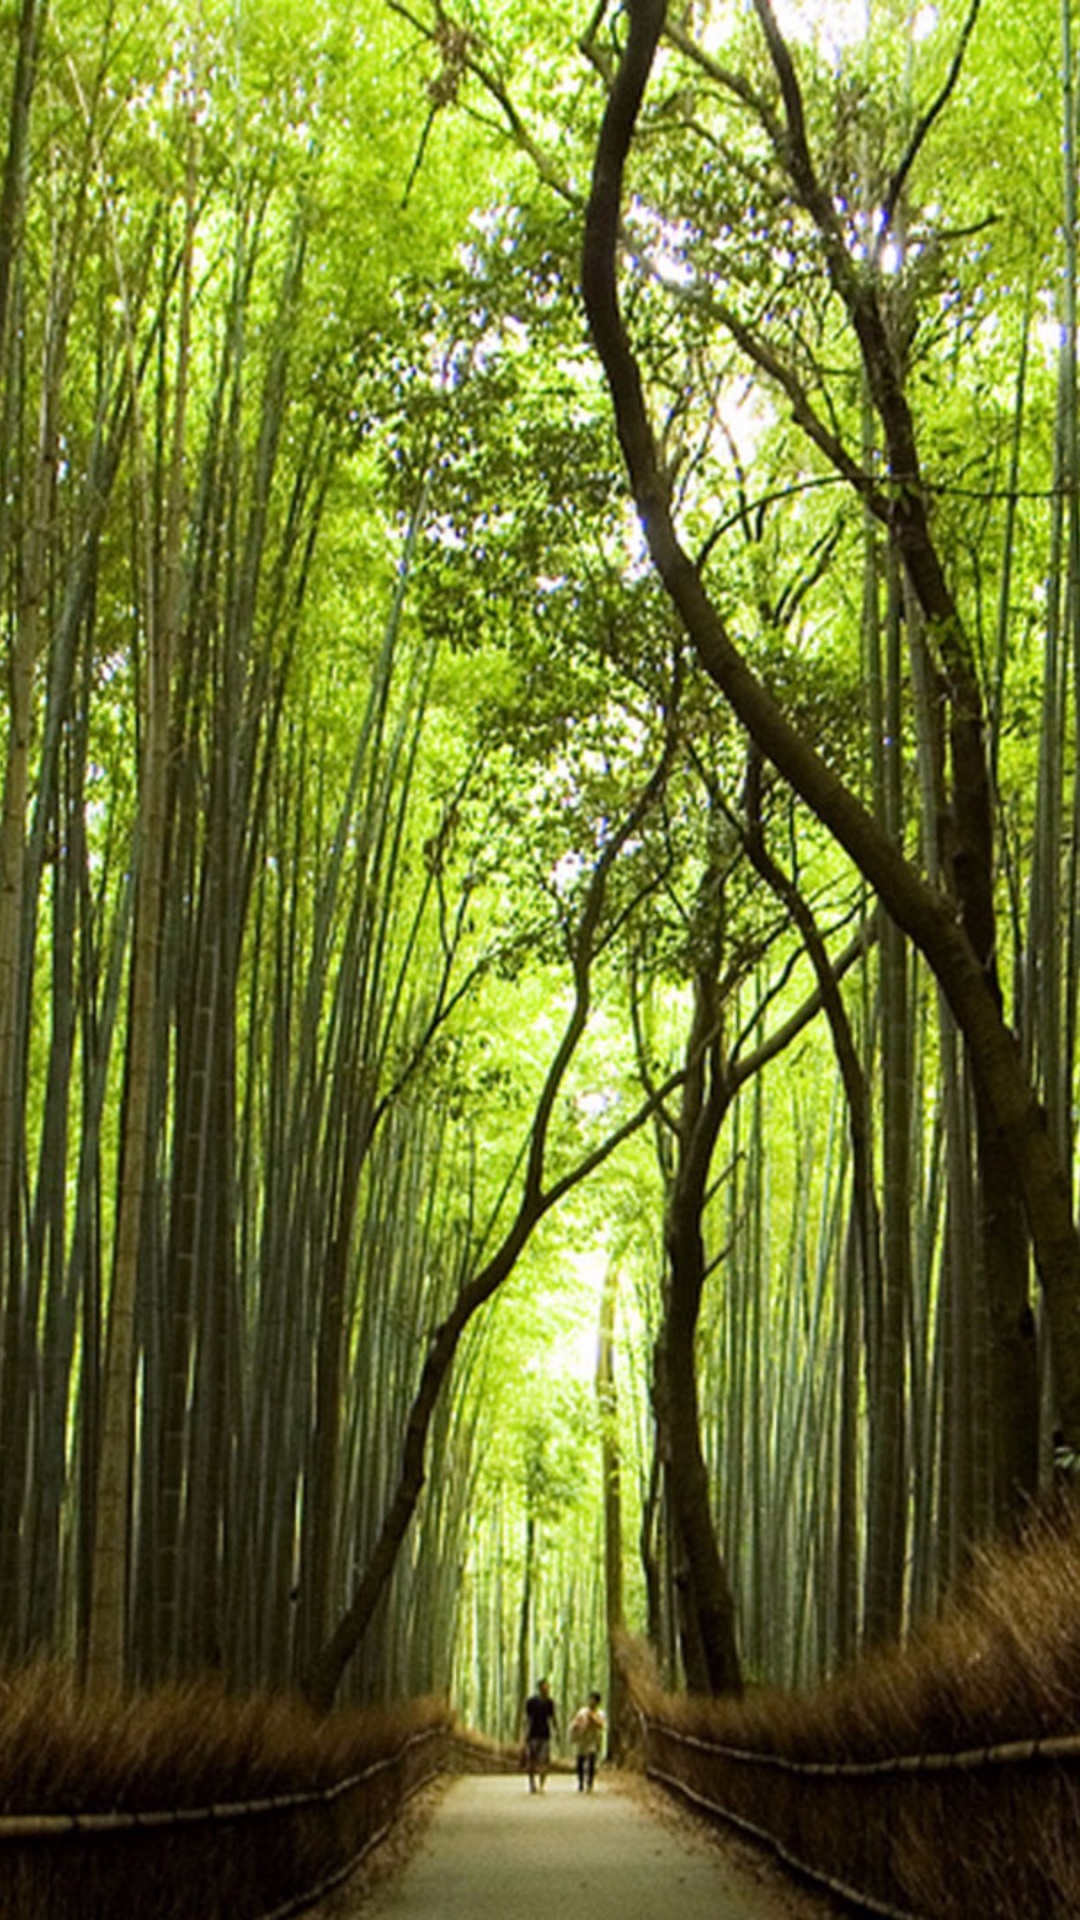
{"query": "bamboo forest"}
pixel 540 853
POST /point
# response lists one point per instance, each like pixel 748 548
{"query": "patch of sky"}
pixel 663 244
pixel 181 86
pixel 449 366
pixel 443 531
pixel 636 561
pixel 595 1102
pixel 1050 330
pixel 111 665
pixel 572 1351
pixel 566 872
pixel 872 240
pixel 573 1355
pixel 832 26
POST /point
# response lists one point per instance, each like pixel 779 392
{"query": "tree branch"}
pixel 322 1681
pixel 933 111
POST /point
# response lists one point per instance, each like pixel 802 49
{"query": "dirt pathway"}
pixel 492 1851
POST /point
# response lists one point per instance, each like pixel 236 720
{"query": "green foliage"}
pixel 421 672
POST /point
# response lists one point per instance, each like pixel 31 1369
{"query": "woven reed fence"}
pixel 251 1860
pixel 993 1832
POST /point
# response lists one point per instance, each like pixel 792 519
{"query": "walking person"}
pixel 587 1735
pixel 540 1722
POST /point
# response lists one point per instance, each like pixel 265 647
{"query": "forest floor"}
pixel 485 1848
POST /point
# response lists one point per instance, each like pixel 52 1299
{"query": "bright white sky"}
pixel 834 23
pixel 839 22
pixel 571 1355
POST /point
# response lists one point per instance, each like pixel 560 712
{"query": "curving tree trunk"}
pixel 954 949
pixel 710 1646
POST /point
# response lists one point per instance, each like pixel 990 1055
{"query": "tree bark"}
pixel 161 586
pixel 18 1315
pixel 708 1598
pixel 611 1471
pixel 106 1652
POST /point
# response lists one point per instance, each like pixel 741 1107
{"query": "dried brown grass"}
pixel 182 1746
pixel 191 1748
pixel 1001 1666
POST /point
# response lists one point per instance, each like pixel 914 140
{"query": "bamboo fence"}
pixel 257 1859
pixel 932 1836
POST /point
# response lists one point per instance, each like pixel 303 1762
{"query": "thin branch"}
pixel 933 112
pixel 793 145
pixel 471 62
pixel 645 1074
pixel 582 1169
pixel 803 411
pixel 732 83
pixel 777 1043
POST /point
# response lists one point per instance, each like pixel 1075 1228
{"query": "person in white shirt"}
pixel 587 1738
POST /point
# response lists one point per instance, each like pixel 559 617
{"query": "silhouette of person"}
pixel 540 1721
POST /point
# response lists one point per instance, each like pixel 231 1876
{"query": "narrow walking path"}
pixel 493 1851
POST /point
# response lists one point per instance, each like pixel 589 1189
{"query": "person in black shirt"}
pixel 540 1722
